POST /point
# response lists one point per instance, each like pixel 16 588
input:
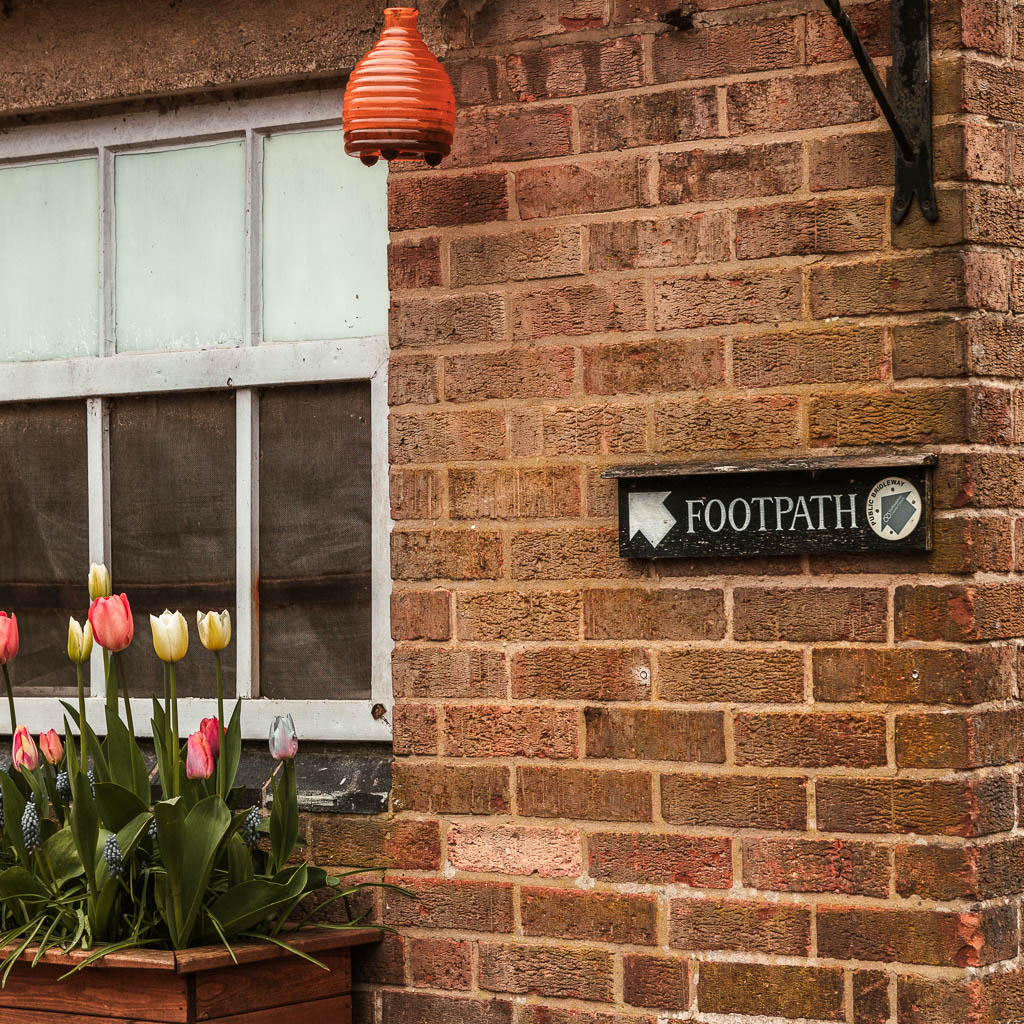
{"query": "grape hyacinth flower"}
pixel 250 827
pixel 153 830
pixel 30 827
pixel 64 788
pixel 92 783
pixel 2 821
pixel 112 855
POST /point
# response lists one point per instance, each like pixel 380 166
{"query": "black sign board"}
pixel 780 507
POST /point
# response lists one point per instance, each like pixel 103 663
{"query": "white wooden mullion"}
pixel 107 252
pixel 254 237
pixel 247 542
pixel 380 541
pixel 98 462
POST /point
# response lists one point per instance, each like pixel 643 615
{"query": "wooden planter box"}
pixel 267 986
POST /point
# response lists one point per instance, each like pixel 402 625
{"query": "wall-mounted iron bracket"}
pixel 909 110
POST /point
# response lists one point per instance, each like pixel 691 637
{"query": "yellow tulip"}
pixel 79 642
pixel 214 629
pixel 99 581
pixel 170 636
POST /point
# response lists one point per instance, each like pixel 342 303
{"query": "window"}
pixel 193 359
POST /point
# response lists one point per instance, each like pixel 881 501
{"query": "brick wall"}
pixel 779 788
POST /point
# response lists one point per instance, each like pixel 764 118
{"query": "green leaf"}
pixel 71 751
pixel 85 826
pixel 95 747
pixel 14 808
pixel 170 826
pixel 204 827
pixel 232 752
pixel 124 757
pixel 248 904
pixel 239 861
pixel 163 760
pixel 117 805
pixel 17 883
pixel 105 911
pixel 62 856
pixel 284 817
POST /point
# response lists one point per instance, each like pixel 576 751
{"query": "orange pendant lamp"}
pixel 399 102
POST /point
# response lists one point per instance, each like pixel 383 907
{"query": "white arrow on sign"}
pixel 648 515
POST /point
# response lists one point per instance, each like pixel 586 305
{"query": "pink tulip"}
pixel 23 751
pixel 210 728
pixel 8 637
pixel 198 760
pixel 51 746
pixel 112 623
pixel 284 743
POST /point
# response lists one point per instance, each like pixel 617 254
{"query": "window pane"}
pixel 44 536
pixel 315 542
pixel 172 499
pixel 49 261
pixel 180 229
pixel 325 239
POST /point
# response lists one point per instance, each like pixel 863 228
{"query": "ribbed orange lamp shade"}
pixel 399 102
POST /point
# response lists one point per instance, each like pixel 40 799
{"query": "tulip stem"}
pixel 10 699
pixel 83 731
pixel 124 691
pixel 221 768
pixel 111 691
pixel 176 747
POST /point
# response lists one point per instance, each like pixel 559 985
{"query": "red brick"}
pixel 530 19
pixel 713 175
pixel 665 242
pixel 756 989
pixel 834 356
pixel 449 789
pixel 415 729
pixel 826 43
pixel 871 998
pixel 412 380
pixel 957 807
pixel 441 963
pixel 938 1001
pixel 933 937
pixel 509 731
pixel 655 981
pixel 375 843
pixel 580 309
pixel 810 613
pixel 441 672
pixel 444 903
pixel 597 917
pixel 798 229
pixel 983 612
pixel 484 136
pixel 536 1013
pixel 739 926
pixel 558 190
pixel 648 119
pixel 446 554
pixel 699 425
pixel 981 480
pixel 735 675
pixel 415 493
pixel 796 102
pixel 512 850
pixel 734 801
pixel 851 161
pixel 801 865
pixel 713 51
pixel 653 366
pixel 583 793
pixel 577 70
pixel 545 372
pixel 995 346
pixel 593 430
pixel 913 675
pixel 581 673
pixel 975 872
pixel 519 615
pixel 653 734
pixel 475 80
pixel 809 740
pixel 752 297
pixel 664 614
pixel 414 264
pixel 519 256
pixel 421 615
pixel 442 200
pixel 447 436
pixel 960 740
pixel 935 349
pixel 704 862
pixel 468 317
pixel 575 553
pixel 567 973
pixel 421 1008
pixel 522 492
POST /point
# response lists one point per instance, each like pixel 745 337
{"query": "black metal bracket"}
pixel 909 111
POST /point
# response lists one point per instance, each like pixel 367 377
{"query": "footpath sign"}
pixel 780 507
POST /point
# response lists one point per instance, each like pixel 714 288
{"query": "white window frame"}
pixel 243 370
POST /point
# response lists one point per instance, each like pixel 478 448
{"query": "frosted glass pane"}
pixel 180 227
pixel 49 261
pixel 325 238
